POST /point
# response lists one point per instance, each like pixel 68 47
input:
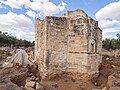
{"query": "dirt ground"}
pixel 13 78
pixel 109 66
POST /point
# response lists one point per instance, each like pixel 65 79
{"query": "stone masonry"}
pixel 70 43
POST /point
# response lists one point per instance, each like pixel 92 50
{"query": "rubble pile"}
pixel 109 76
pixel 20 58
pixel 4 54
pixel 18 73
pixel 19 76
pixel 19 79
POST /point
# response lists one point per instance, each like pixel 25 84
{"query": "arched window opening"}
pixel 92 47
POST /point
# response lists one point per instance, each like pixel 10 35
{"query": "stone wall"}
pixel 40 43
pixel 57 30
pixel 71 43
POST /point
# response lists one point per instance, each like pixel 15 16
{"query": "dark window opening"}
pixel 96 48
pixel 92 47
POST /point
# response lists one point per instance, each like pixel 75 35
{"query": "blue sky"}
pixel 17 16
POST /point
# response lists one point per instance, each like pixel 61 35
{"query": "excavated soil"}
pixel 110 64
pixel 13 78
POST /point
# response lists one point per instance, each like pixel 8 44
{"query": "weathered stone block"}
pixel 30 84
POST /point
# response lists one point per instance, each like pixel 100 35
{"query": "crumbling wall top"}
pixel 75 13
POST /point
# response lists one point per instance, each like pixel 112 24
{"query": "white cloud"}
pixel 17 25
pixel 45 7
pixel 111 10
pixel 1 5
pixel 20 25
pixel 111 30
pixel 62 6
pixel 107 32
pixel 11 3
pixel 107 23
pixel 31 13
pixel 42 0
pixel 109 16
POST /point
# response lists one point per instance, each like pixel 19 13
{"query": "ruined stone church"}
pixel 70 43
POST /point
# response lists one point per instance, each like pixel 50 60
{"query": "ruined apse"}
pixel 70 43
